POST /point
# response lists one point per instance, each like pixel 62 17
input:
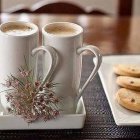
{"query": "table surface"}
pixel 112 36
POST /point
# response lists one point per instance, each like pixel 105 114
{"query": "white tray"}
pixel 122 116
pixel 71 121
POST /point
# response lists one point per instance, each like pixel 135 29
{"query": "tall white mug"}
pixel 69 65
pixel 14 48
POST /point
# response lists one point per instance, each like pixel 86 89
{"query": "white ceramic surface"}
pixel 13 49
pixel 68 71
pixel 121 115
pixel 69 121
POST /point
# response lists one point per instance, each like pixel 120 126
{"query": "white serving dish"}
pixel 71 121
pixel 121 115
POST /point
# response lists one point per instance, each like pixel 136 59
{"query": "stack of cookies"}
pixel 129 80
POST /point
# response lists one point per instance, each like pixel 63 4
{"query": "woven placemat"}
pixel 99 121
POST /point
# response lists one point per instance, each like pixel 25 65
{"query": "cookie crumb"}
pixel 132 82
pixel 132 100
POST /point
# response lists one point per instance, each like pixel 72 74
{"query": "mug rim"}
pixel 35 28
pixel 79 28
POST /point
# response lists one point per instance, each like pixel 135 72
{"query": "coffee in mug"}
pixel 61 30
pixel 17 29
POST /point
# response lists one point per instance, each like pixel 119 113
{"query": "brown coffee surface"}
pixel 61 30
pixel 17 30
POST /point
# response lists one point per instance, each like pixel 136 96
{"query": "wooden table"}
pixel 111 35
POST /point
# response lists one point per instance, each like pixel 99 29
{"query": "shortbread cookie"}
pixel 129 99
pixel 129 82
pixel 127 70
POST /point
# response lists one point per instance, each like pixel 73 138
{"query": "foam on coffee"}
pixel 61 29
pixel 17 29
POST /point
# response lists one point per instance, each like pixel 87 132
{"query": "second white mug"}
pixel 67 40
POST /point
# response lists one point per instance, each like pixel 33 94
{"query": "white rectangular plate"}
pixel 71 121
pixel 121 115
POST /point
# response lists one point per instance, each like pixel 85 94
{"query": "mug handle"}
pixel 54 61
pixel 94 50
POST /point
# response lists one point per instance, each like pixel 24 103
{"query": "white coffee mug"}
pixel 68 71
pixel 13 48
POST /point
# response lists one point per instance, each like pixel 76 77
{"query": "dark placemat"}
pixel 99 121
